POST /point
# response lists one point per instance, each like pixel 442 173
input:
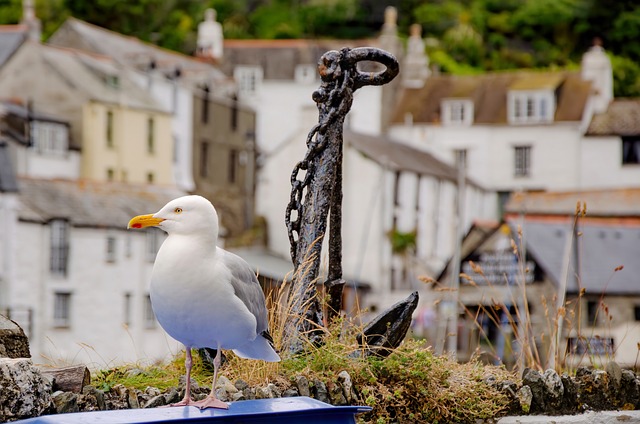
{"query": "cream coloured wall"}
pixel 128 156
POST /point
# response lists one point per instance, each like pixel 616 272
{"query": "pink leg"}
pixel 186 400
pixel 211 401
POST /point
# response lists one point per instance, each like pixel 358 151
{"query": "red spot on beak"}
pixel 137 225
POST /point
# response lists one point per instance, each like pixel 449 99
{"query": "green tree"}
pixel 626 77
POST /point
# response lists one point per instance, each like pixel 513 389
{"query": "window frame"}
pixel 62 309
pixel 152 244
pixel 630 150
pixel 522 160
pixel 531 106
pixel 204 159
pixel 151 147
pixel 49 138
pixel 148 316
pixel 248 79
pixel 457 112
pixel 59 247
pixel 110 119
pixel 111 249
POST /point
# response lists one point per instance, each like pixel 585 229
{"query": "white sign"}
pixel 500 268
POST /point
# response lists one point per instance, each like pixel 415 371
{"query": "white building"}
pixel 171 78
pixel 389 189
pixel 525 130
pixel 74 278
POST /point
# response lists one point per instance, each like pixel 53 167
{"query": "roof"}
pixel 279 58
pixel 478 233
pixel 622 118
pixel 132 51
pixel 607 203
pixel 8 182
pixel 11 37
pixel 23 112
pixel 99 77
pixel 87 203
pixel 401 157
pixel 489 95
pixel 602 248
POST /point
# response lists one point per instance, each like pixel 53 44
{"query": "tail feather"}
pixel 259 348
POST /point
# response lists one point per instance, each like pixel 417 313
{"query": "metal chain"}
pixel 342 92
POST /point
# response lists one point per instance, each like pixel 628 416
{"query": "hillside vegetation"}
pixel 463 35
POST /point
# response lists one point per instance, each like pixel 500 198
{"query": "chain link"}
pixel 315 146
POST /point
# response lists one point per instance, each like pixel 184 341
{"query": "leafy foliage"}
pixel 478 34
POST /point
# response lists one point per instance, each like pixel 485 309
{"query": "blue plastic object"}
pixel 264 411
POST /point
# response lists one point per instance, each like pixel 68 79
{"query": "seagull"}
pixel 203 295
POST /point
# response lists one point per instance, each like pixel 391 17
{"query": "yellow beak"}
pixel 144 221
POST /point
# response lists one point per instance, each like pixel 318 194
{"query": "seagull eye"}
pixel 178 210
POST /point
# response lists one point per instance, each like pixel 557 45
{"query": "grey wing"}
pixel 247 288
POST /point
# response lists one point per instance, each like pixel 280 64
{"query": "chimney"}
pixel 29 19
pixel 210 37
pixel 389 39
pixel 416 62
pixel 596 67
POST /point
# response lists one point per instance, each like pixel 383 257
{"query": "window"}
pixel 127 309
pixel 234 114
pixel 150 136
pixel 128 246
pixel 204 159
pixel 150 177
pixel 531 107
pixel 595 345
pixel 109 129
pixel 49 137
pixel 636 312
pixel 461 157
pixel 113 81
pixel 59 247
pixel 153 244
pixel 517 107
pixel 110 174
pixel 630 150
pixel 248 78
pixel 592 312
pixel 305 74
pixel 61 309
pixel 149 316
pixel 111 249
pixel 522 161
pixel 233 165
pixel 457 112
pixel 205 105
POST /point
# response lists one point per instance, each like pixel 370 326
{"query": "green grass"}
pixel 411 385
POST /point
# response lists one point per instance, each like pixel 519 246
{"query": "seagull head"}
pixel 184 215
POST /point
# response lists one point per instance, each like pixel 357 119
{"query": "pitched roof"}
pixel 622 118
pixel 89 204
pixel 98 76
pixel 11 37
pixel 489 95
pixel 279 58
pixel 602 248
pixel 133 52
pixel 600 203
pixel 401 157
